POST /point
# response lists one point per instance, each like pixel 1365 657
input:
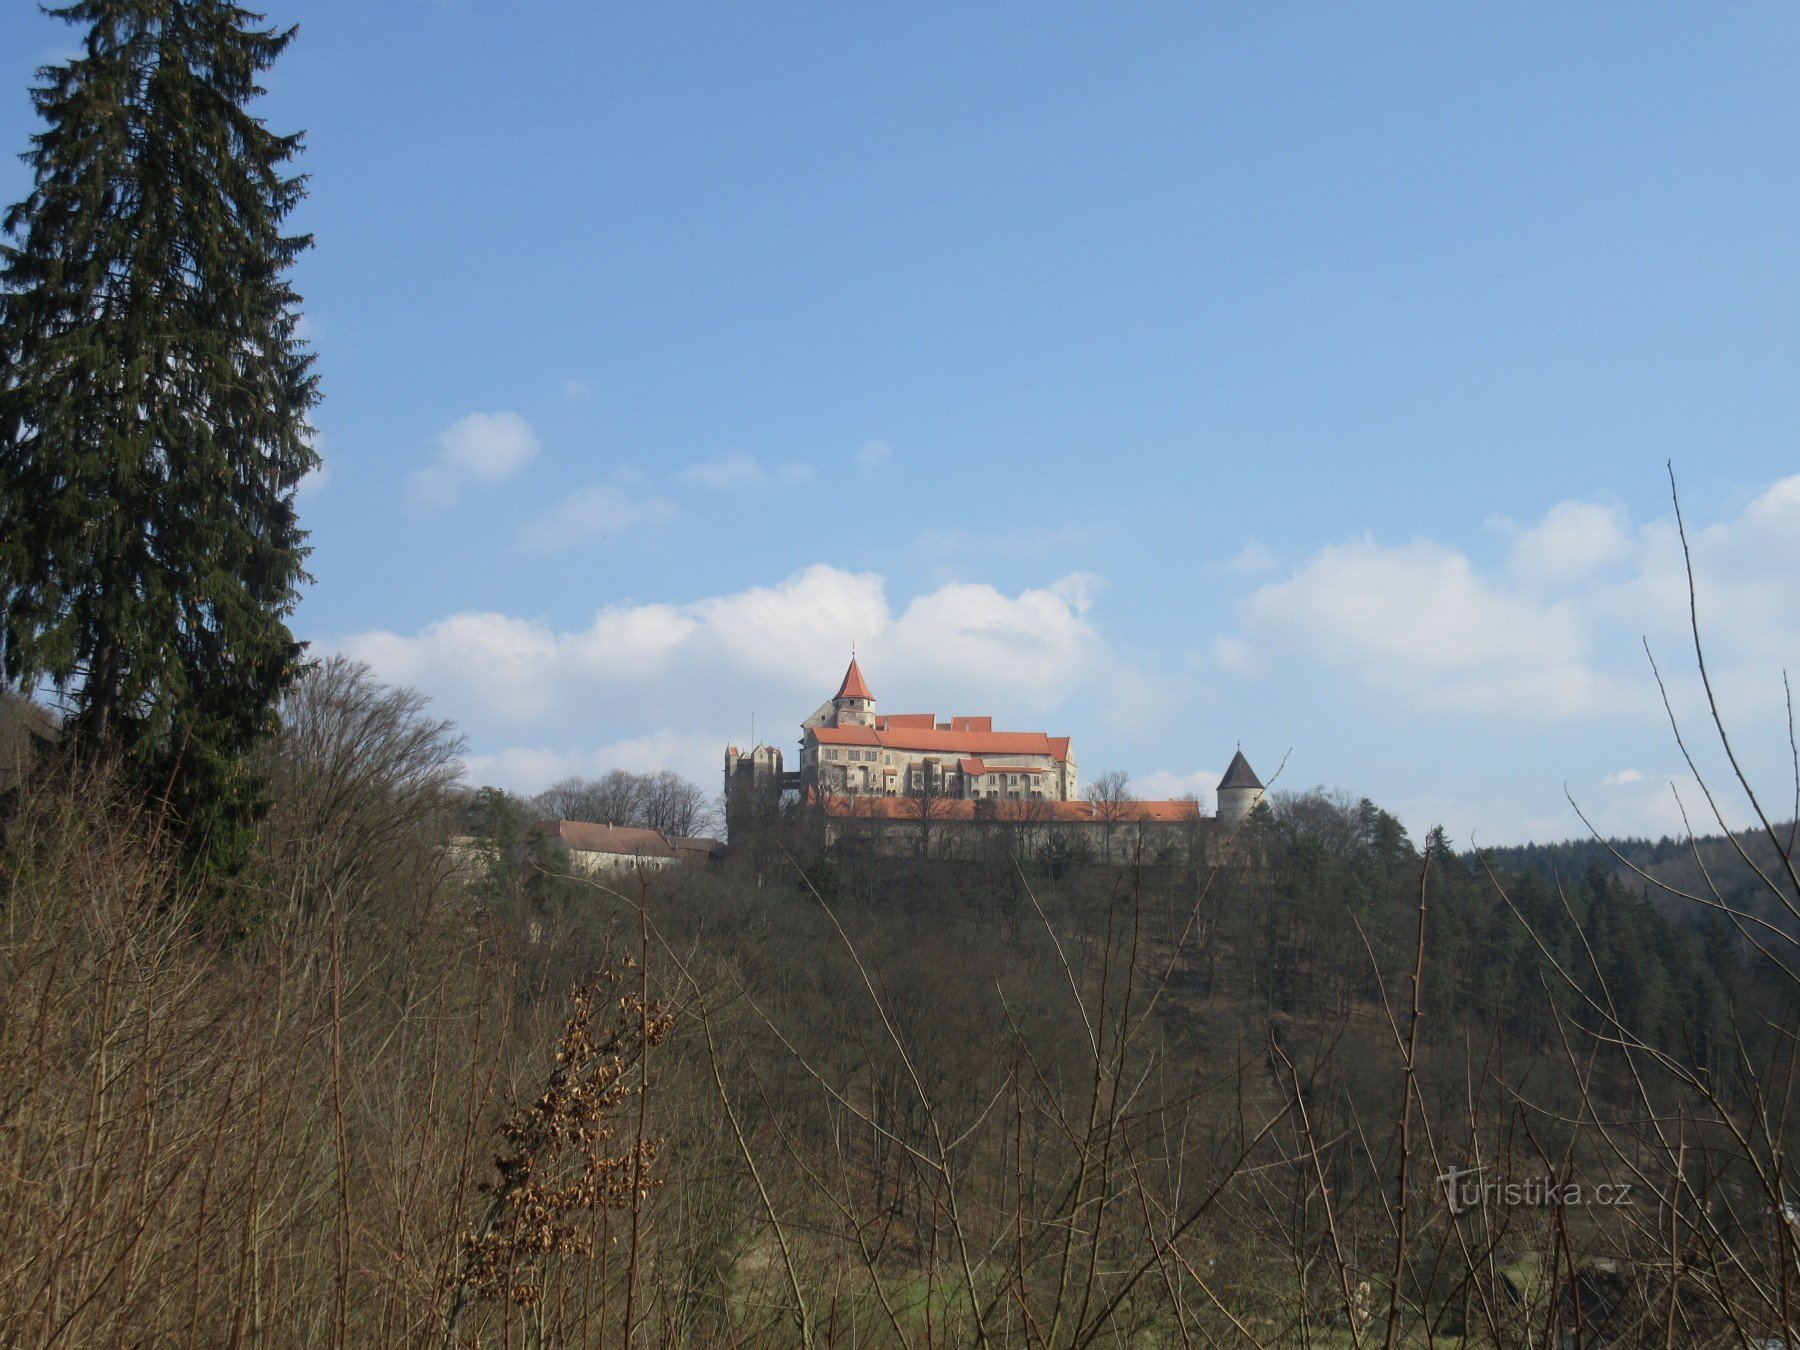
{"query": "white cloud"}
pixel 480 448
pixel 593 513
pixel 1027 649
pixel 1554 631
pixel 577 388
pixel 1575 539
pixel 737 471
pixel 492 658
pixel 1744 570
pixel 642 668
pixel 872 454
pixel 1418 619
pixel 1166 785
pixel 1622 777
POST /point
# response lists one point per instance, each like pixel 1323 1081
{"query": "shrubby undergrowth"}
pixel 881 1102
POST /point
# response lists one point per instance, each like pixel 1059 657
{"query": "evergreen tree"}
pixel 153 406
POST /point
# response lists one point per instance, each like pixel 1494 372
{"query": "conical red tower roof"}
pixel 854 686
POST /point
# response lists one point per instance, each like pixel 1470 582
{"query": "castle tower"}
pixel 1239 792
pixel 753 787
pixel 853 704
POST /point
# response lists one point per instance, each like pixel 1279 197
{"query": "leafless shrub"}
pixel 559 1163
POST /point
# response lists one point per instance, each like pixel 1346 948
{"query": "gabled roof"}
pixel 914 721
pixel 1240 774
pixel 626 841
pixel 854 686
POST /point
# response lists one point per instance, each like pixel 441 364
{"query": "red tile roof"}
pixel 854 686
pixel 930 740
pixel 915 721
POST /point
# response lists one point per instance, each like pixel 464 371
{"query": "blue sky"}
pixel 1169 376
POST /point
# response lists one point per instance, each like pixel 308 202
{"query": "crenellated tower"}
pixel 754 782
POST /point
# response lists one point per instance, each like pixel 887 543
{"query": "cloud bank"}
pixel 696 673
pixel 1552 631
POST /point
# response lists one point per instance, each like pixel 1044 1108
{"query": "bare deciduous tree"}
pixel 362 777
pixel 673 805
pixel 662 800
pixel 1111 795
pixel 927 801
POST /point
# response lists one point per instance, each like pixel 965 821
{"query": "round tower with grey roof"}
pixel 1239 792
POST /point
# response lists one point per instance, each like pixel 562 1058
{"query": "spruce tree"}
pixel 153 406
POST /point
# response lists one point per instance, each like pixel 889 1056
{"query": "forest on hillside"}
pixel 1698 883
pixel 372 1094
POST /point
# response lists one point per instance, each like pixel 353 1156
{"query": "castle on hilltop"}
pixel 907 782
